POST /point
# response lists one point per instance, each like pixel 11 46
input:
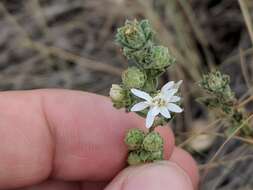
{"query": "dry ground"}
pixel 70 44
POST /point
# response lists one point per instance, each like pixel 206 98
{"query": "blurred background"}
pixel 70 44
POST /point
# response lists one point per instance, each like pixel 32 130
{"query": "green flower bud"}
pixel 218 84
pixel 158 155
pixel 134 139
pixel 134 158
pixel 145 156
pixel 134 34
pixel 151 57
pixel 141 57
pixel 160 58
pixel 215 81
pixel 150 85
pixel 116 92
pixel 119 96
pixel 133 78
pixel 153 142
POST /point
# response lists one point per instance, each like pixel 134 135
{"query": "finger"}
pixel 164 131
pixel 169 140
pixel 93 185
pixel 64 185
pixel 159 176
pixel 186 162
pixel 54 185
pixel 70 135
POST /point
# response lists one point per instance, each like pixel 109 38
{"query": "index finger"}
pixel 68 135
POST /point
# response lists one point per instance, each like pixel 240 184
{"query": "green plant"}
pixel 139 89
pixel 221 99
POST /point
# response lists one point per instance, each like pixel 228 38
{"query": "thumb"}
pixel 163 175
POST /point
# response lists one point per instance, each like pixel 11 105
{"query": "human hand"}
pixel 71 140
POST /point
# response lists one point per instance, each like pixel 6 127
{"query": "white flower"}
pixel 163 103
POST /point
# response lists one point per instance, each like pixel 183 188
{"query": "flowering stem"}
pixel 151 129
pixel 220 97
pixel 139 91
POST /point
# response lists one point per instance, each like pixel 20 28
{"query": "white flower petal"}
pixel 162 103
pixel 140 106
pixel 150 119
pixel 165 112
pixel 169 93
pixel 141 94
pixel 175 99
pixel 168 86
pixel 174 108
pixel 154 111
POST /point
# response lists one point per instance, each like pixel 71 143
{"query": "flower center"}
pixel 158 101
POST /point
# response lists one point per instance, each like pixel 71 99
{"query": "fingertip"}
pixel 159 176
pixel 187 163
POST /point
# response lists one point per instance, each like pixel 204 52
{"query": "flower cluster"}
pixel 217 84
pixel 139 90
pixel 219 92
pixel 143 147
pixel 221 98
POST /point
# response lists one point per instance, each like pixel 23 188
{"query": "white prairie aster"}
pixel 163 103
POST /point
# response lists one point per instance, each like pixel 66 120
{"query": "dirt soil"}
pixel 70 44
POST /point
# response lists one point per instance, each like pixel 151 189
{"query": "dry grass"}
pixel 59 44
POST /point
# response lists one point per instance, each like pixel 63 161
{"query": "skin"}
pixel 71 140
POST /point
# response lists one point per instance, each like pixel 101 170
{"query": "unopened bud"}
pixel 120 96
pixel 145 156
pixel 134 139
pixel 116 92
pixel 133 78
pixel 134 158
pixel 160 58
pixel 153 142
pixel 134 34
pixel 217 83
pixel 158 155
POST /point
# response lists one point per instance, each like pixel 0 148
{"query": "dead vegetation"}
pixel 70 44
